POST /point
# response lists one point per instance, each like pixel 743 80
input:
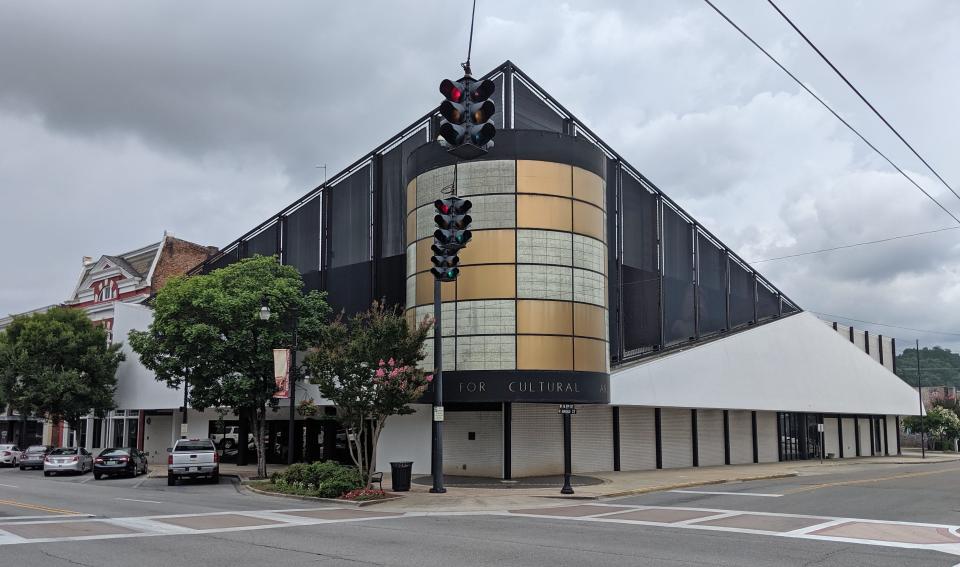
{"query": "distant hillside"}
pixel 938 366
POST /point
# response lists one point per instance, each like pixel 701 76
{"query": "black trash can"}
pixel 400 476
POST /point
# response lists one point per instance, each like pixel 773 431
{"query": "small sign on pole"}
pixel 568 409
pixel 820 428
pixel 281 372
pixel 438 413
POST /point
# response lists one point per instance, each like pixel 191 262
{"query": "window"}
pixel 132 432
pixel 97 440
pixel 106 291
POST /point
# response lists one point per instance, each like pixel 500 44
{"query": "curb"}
pixel 694 483
pixel 337 501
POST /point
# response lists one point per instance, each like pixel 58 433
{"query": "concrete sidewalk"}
pixel 613 483
pixel 636 482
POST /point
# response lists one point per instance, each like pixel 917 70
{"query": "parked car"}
pixel 33 457
pixel 228 439
pixel 193 458
pixel 119 461
pixel 9 455
pixel 67 459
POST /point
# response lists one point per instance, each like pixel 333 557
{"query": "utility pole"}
pixel 923 435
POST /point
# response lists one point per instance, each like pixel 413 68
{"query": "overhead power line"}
pixel 887 324
pixel 863 98
pixel 855 245
pixel 831 110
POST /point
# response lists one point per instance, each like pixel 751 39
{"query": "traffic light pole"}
pixel 436 466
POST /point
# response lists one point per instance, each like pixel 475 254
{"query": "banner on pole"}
pixel 281 372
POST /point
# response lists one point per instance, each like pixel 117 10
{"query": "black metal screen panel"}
pixel 498 99
pixel 768 302
pixel 350 220
pixel 348 288
pixel 228 258
pixel 301 238
pixel 713 286
pixel 678 292
pixel 786 307
pixel 531 113
pixel 741 295
pixel 392 203
pixel 641 276
pixel 263 244
pixel 613 264
pixel 391 280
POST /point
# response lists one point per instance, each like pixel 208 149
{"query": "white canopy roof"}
pixel 794 364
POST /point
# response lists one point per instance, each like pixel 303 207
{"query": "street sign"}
pixel 438 413
pixel 569 409
pixel 820 428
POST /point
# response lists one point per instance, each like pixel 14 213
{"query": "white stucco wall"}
pixel 407 438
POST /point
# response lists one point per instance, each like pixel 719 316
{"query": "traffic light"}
pixel 466 112
pixel 444 264
pixel 452 234
pixel 453 223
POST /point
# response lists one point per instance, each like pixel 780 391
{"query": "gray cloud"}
pixel 118 121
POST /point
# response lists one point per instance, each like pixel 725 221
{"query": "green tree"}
pixel 58 365
pixel 206 331
pixel 938 366
pixel 367 366
pixel 940 423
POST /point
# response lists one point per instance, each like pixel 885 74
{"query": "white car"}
pixel 9 455
pixel 67 459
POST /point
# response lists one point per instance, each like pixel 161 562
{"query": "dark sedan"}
pixel 33 457
pixel 125 461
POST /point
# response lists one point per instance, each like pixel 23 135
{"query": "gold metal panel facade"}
pixel 423 255
pixel 588 220
pixel 486 282
pixel 535 211
pixel 536 352
pixel 544 177
pixel 488 247
pixel 588 186
pixel 589 321
pixel 412 194
pixel 590 355
pixel 544 317
pixel 448 290
pixel 411 228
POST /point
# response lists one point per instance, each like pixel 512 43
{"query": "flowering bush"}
pixel 324 479
pixel 367 366
pixel 363 494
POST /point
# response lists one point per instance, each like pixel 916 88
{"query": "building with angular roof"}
pixel 584 284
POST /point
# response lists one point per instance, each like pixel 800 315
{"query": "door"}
pixel 157 436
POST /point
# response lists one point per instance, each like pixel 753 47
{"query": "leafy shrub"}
pixel 324 479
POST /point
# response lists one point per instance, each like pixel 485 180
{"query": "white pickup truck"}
pixel 193 458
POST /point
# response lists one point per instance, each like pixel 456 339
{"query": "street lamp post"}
pixel 264 315
pixel 295 314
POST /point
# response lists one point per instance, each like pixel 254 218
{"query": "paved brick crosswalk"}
pixel 936 537
pixel 853 530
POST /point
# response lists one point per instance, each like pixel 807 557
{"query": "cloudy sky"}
pixel 119 120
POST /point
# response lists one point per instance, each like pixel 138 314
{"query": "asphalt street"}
pixel 145 522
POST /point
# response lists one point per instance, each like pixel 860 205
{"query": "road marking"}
pixel 9 486
pixel 36 507
pixel 15 519
pixel 868 480
pixel 727 493
pixel 144 501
